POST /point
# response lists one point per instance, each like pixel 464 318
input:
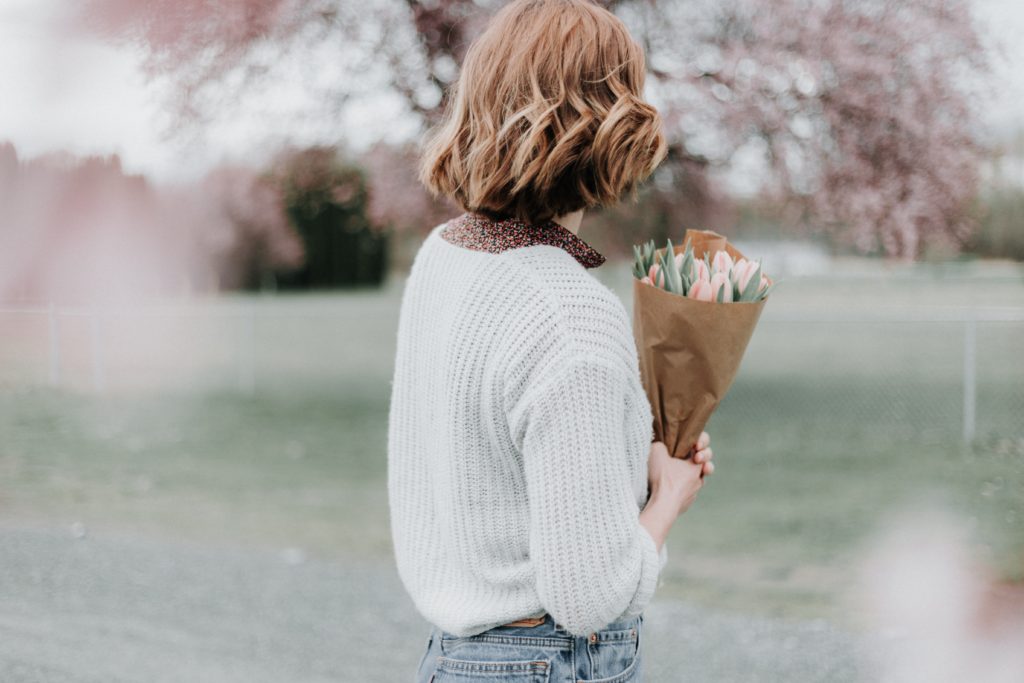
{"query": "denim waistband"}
pixel 546 651
pixel 551 628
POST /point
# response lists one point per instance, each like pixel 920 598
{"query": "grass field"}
pixel 834 423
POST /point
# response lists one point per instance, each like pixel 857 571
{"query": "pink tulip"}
pixel 646 280
pixel 738 267
pixel 721 262
pixel 652 273
pixel 700 290
pixel 699 271
pixel 744 273
pixel 679 260
pixel 720 281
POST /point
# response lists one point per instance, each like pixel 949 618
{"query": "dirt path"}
pixel 116 608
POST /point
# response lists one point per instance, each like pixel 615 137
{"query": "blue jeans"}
pixel 545 653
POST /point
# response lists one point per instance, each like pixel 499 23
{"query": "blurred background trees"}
pixel 853 123
pixel 1001 205
pixel 858 119
pixel 81 229
pixel 327 202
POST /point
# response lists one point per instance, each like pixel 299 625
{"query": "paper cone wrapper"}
pixel 689 350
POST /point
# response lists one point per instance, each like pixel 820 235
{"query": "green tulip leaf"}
pixel 750 292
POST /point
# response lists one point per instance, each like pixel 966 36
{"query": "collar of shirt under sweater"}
pixel 480 232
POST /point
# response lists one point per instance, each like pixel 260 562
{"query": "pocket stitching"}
pixel 620 677
pixel 525 666
pixel 514 640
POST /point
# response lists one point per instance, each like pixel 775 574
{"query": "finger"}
pixel 703 456
pixel 703 441
pixel 709 468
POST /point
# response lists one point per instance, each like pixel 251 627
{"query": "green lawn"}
pixel 830 427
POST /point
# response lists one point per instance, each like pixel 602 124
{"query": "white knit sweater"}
pixel 517 443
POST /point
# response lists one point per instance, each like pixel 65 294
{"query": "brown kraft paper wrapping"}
pixel 689 350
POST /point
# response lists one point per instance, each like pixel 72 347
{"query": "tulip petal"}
pixel 752 284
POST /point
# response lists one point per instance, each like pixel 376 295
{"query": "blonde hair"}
pixel 547 115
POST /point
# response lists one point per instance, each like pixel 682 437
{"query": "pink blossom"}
pixel 646 280
pixel 744 272
pixel 653 273
pixel 737 268
pixel 721 262
pixel 720 282
pixel 699 271
pixel 701 291
pixel 866 113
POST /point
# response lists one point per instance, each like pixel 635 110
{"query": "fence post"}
pixel 247 350
pixel 970 378
pixel 54 346
pixel 98 369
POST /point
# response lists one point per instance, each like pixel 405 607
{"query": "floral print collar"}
pixel 480 232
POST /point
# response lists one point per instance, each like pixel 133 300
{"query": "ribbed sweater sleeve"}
pixel 593 559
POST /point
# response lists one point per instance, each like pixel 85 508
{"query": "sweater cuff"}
pixel 653 561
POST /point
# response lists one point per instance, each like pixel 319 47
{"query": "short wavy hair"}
pixel 546 117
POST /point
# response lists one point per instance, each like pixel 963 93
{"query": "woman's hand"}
pixel 703 454
pixel 676 478
pixel 674 483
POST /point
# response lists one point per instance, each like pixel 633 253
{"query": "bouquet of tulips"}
pixel 719 279
pixel 695 308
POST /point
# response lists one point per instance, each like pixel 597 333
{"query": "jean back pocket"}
pixel 466 670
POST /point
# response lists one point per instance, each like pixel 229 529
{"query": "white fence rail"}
pixel 244 318
pixel 97 317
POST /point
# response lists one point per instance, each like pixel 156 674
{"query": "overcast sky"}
pixel 90 98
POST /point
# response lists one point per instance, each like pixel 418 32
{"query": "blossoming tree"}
pixel 861 113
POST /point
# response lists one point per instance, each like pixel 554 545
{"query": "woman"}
pixel 529 506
